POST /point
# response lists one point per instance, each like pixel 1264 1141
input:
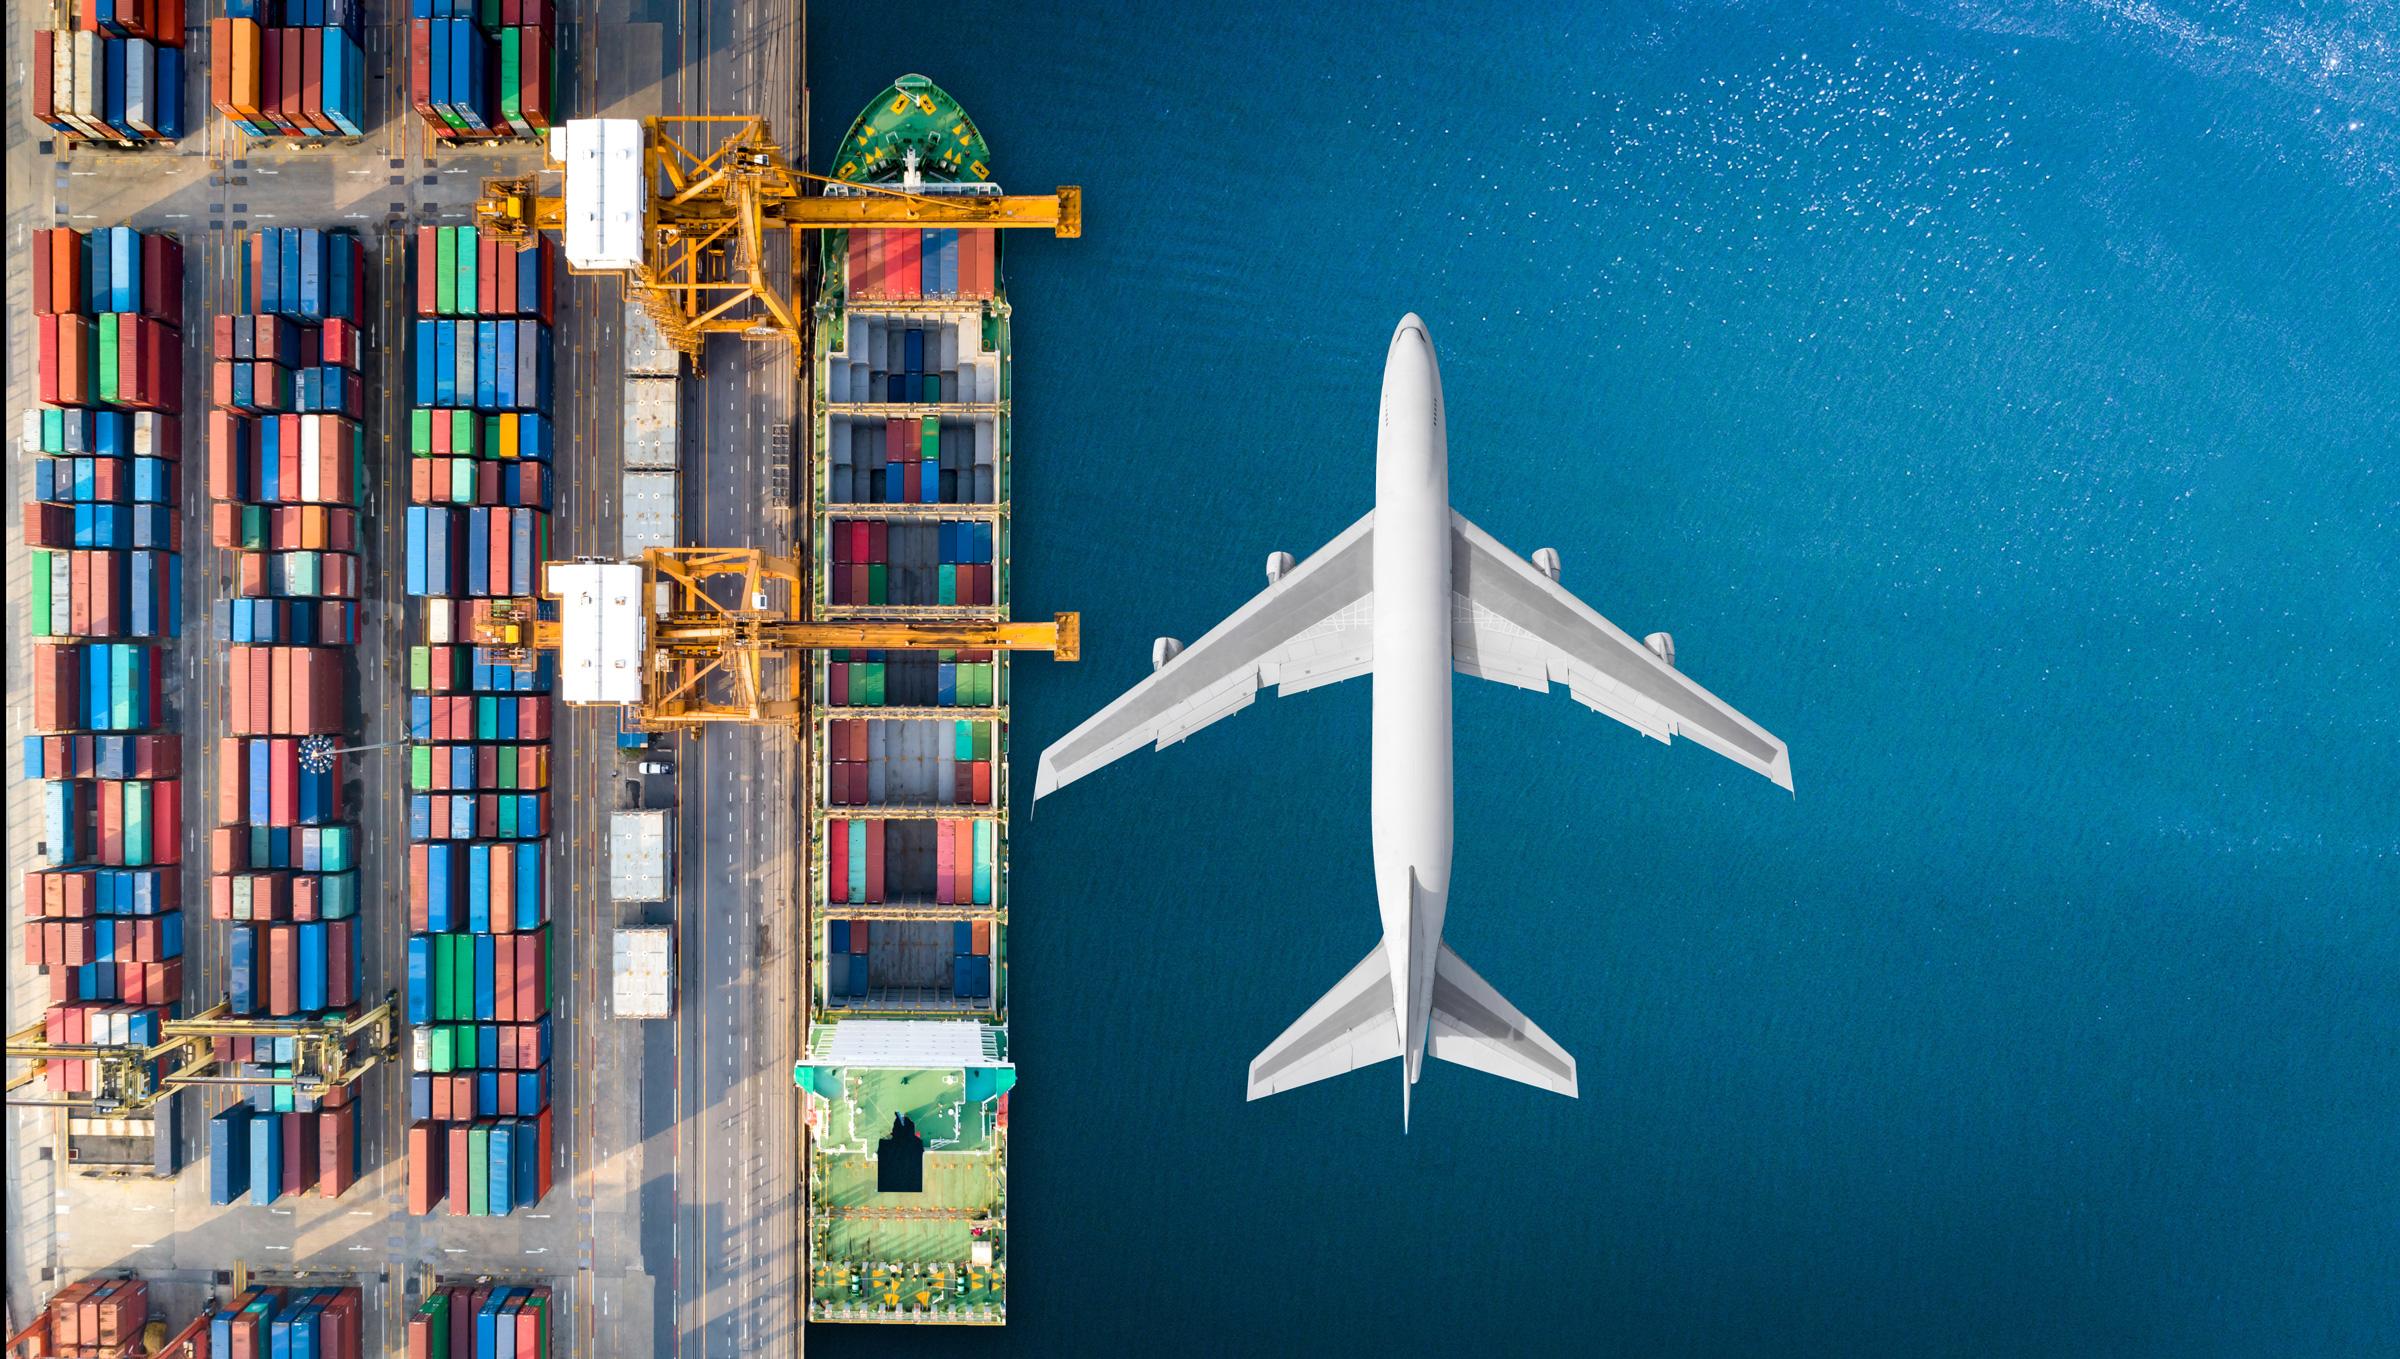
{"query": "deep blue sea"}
pixel 2000 403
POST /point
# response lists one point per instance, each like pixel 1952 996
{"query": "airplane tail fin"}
pixel 1475 1026
pixel 1349 1027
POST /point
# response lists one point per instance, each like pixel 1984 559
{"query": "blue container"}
pixel 266 1157
pixel 971 976
pixel 420 979
pixel 229 1161
pixel 241 970
pixel 858 974
pixel 529 884
pixel 166 106
pixel 312 967
pixel 484 977
pixel 962 937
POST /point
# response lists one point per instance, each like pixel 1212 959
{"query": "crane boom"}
pixel 713 191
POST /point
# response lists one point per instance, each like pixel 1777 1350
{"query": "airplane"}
pixel 1407 594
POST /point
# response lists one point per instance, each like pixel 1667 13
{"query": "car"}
pixel 657 767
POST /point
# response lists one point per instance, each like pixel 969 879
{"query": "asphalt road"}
pixel 739 1174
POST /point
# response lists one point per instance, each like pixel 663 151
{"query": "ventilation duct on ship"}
pixel 1661 645
pixel 1545 560
pixel 1164 650
pixel 1279 564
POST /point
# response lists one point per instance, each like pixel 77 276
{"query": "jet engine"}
pixel 1279 565
pixel 1545 560
pixel 1164 650
pixel 1662 646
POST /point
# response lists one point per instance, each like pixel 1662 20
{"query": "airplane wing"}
pixel 1314 626
pixel 1349 1027
pixel 1511 623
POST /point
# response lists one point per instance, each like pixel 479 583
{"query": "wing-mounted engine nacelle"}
pixel 1662 645
pixel 1164 650
pixel 1545 560
pixel 1279 565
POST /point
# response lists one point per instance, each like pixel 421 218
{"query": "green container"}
pixel 962 741
pixel 254 526
pixel 54 431
pixel 878 582
pixel 437 1310
pixel 985 838
pixel 948 577
pixel 462 482
pixel 487 718
pixel 420 769
pixel 107 366
pixel 445 270
pixel 512 62
pixel 121 688
pixel 420 432
pixel 929 438
pixel 479 1182
pixel 41 593
pixel 420 668
pixel 466 270
pixel 933 392
pixel 462 434
pixel 337 894
pixel 873 687
pixel 137 824
pixel 504 767
pixel 508 818
pixel 438 1058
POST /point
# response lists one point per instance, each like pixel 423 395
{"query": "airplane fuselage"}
pixel 1410 756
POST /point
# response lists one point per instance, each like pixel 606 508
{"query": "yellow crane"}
pixel 723 634
pixel 717 190
pixel 126 1078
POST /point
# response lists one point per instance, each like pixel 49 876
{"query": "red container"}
pixel 427 1176
pixel 283 971
pixel 299 1132
pixel 420 98
pixel 459 1156
pixel 340 968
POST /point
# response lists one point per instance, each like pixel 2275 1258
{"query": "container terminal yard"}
pixel 507 816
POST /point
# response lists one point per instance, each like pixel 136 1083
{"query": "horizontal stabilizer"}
pixel 1474 1025
pixel 1349 1027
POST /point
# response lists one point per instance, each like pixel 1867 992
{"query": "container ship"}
pixel 906 1065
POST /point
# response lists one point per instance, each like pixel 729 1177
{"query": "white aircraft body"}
pixel 1409 593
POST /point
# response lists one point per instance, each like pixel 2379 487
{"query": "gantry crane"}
pixel 713 191
pixel 719 632
pixel 328 1051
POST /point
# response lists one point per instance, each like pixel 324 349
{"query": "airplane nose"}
pixel 1408 323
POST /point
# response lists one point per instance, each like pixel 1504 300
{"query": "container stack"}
pixel 481 70
pixel 912 562
pixel 479 949
pixel 290 68
pixel 97 1317
pixel 104 908
pixel 286 458
pixel 904 263
pixel 324 1322
pixel 873 763
pixel 477 1321
pixel 116 76
pixel 942 456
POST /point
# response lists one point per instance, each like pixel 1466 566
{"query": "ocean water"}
pixel 1997 402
